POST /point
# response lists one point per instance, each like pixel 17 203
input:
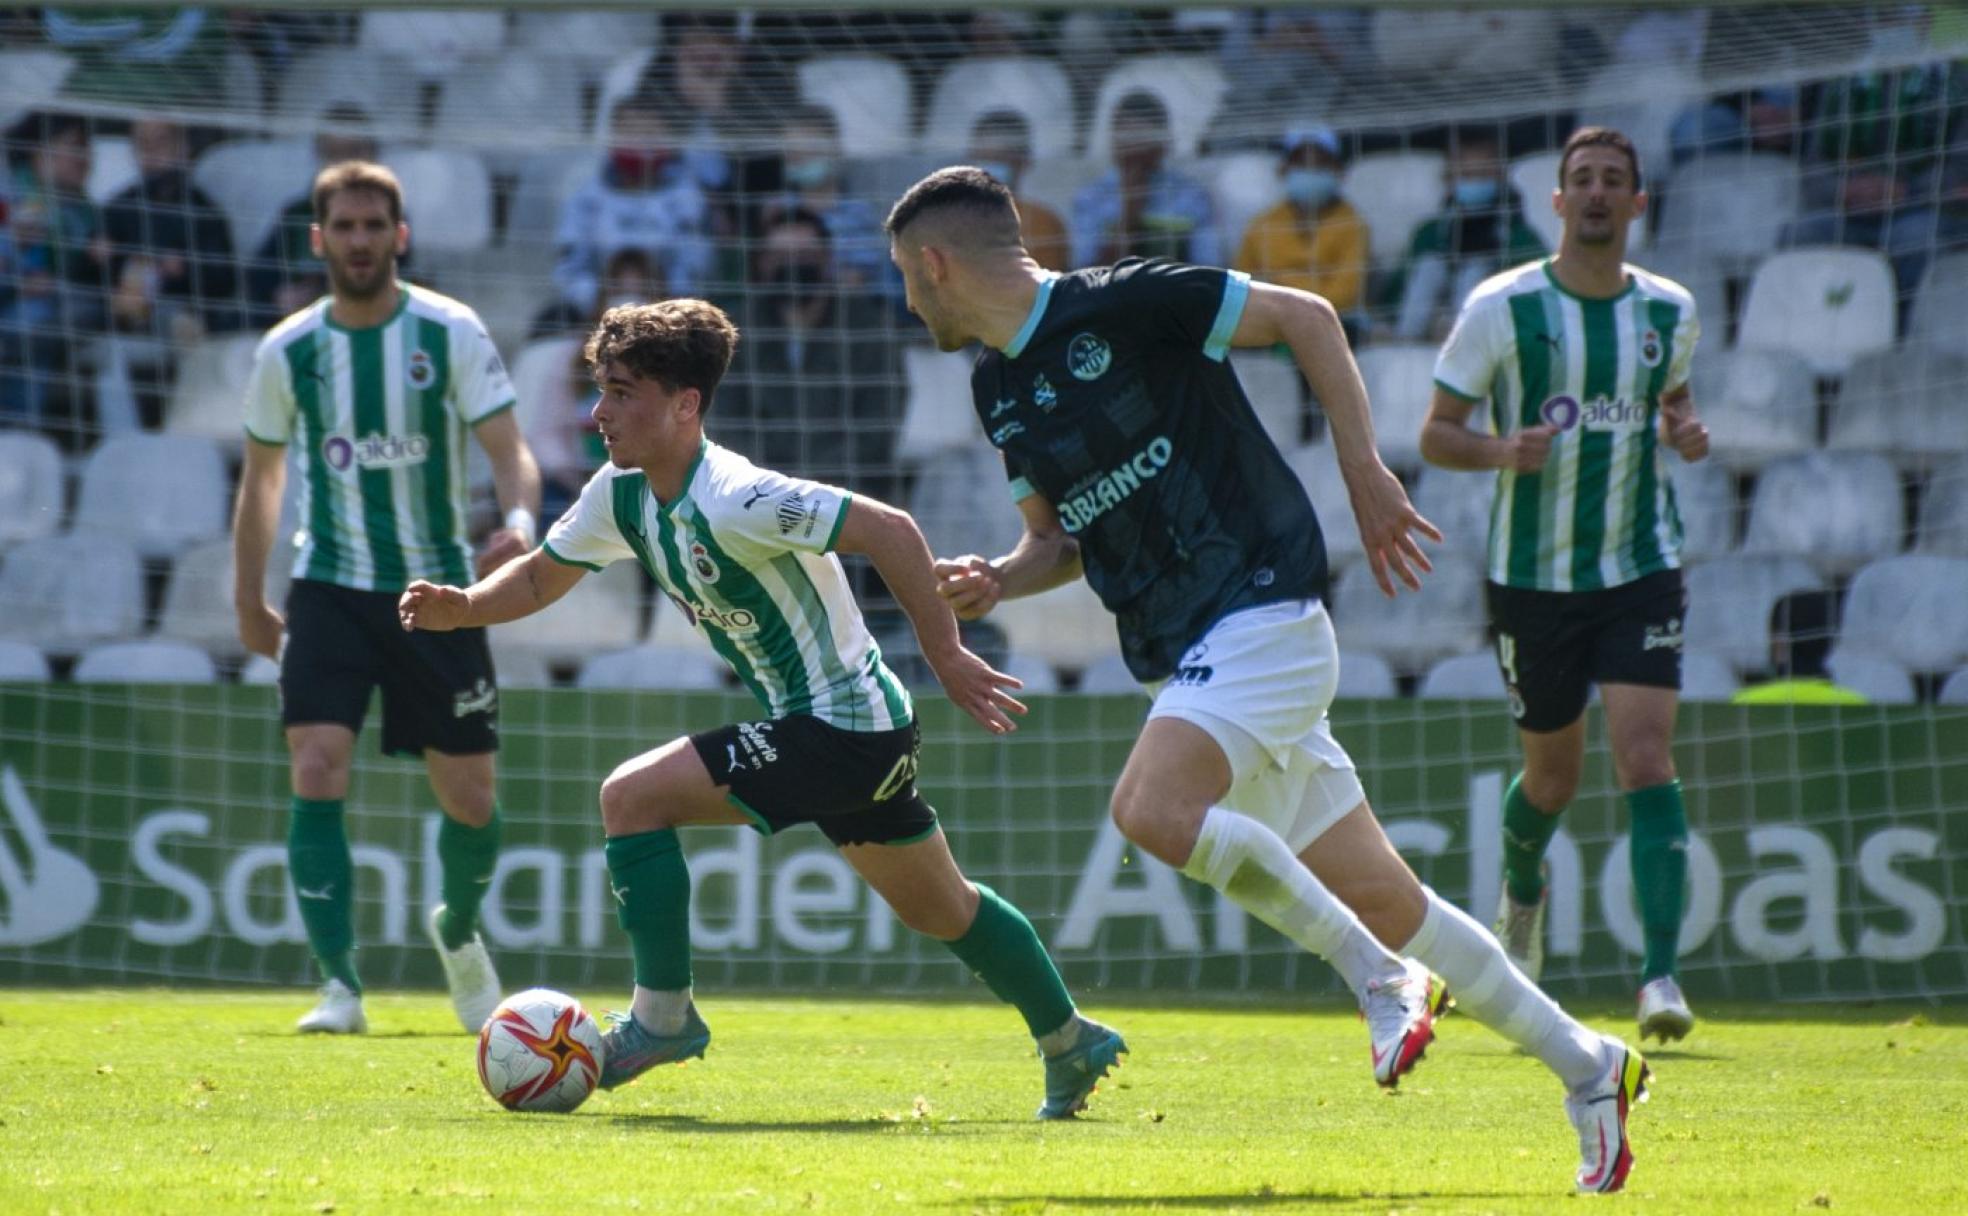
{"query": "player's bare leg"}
pixel 1640 727
pixel 921 881
pixel 323 871
pixel 468 851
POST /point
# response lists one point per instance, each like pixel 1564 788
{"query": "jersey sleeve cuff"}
pixel 495 411
pixel 263 440
pixel 1021 489
pixel 568 561
pixel 1453 391
pixel 1236 292
pixel 840 521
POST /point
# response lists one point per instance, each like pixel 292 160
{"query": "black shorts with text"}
pixel 1553 645
pixel 857 787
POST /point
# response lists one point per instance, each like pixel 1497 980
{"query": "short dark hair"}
pixel 962 192
pixel 680 344
pixel 1002 124
pixel 50 125
pixel 357 175
pixel 1141 106
pixel 1599 137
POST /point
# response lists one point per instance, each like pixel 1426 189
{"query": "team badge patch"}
pixel 420 373
pixel 1089 357
pixel 1650 348
pixel 701 563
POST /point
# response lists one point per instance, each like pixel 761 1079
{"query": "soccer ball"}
pixel 539 1051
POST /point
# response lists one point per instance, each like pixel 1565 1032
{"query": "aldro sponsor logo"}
pixel 374 451
pixel 737 620
pixel 1602 413
pixel 1114 486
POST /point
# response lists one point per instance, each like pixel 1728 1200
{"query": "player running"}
pixel 1136 461
pixel 376 389
pixel 749 555
pixel 1585 362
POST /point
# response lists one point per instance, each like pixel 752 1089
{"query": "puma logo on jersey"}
pixel 757 492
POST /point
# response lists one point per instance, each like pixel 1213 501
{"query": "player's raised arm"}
pixel 519 588
pixel 1309 326
pixel 1044 557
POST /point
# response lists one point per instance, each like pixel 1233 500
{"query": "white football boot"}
pixel 468 970
pixel 1400 1022
pixel 1598 1113
pixel 1664 1011
pixel 340 1012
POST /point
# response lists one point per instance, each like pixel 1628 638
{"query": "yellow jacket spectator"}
pixel 1314 240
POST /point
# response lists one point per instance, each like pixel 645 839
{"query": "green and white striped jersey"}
pixel 1601 513
pixel 377 420
pixel 746 554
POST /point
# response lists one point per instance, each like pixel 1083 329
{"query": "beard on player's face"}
pixel 365 281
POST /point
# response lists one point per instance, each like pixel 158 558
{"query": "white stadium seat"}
pixel 1458 502
pixel 251 180
pixel 334 77
pixel 1400 379
pixel 22 662
pixel 1038 675
pixel 1242 186
pixel 869 95
pixel 1881 681
pixel 602 612
pixel 937 411
pixel 1534 177
pixel 971 88
pixel 63 593
pixel 1944 511
pixel 1317 468
pixel 539 379
pixel 260 670
pixel 1109 675
pixel 1276 391
pixel 522 100
pixel 1067 626
pixel 1469 42
pixel 1397 192
pixel 1839 509
pixel 432 43
pixel 1954 690
pixel 1707 677
pixel 209 393
pixel 30 487
pixel 1729 605
pixel 1828 305
pixel 1731 207
pixel 146 662
pixel 198 598
pixel 1759 405
pixel 1911 609
pixel 1940 303
pixel 521 668
pixel 1705 498
pixel 447 198
pixel 673 668
pixel 1365 677
pixel 112 168
pixel 1907 403
pixel 962 502
pixel 620 79
pixel 1190 88
pixel 1471 677
pixel 162 493
pixel 590 39
pixel 1412 630
pixel 34 78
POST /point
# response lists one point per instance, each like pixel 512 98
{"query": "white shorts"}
pixel 1259 683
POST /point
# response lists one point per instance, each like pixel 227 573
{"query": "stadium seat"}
pixel 1109 676
pixel 162 493
pixel 1534 177
pixel 1412 630
pixel 31 491
pixel 869 95
pixel 1317 467
pixel 1954 689
pixel 1458 502
pixel 22 662
pixel 602 612
pixel 590 39
pixel 1190 87
pixel 1067 627
pixel 1054 180
pixel 146 662
pixel 962 502
pixel 1396 192
pixel 1881 681
pixel 1828 305
pixel 198 598
pixel 1906 402
pixel 1277 393
pixel 971 88
pixel 1940 304
pixel 937 412
pixel 260 670
pixel 674 668
pixel 1641 100
pixel 1759 405
pixel 210 386
pixel 1839 509
pixel 65 592
pixel 1732 208
pixel 1707 677
pixel 112 168
pixel 447 198
pixel 1242 186
pixel 1912 609
pixel 432 43
pixel 521 668
pixel 1729 605
pixel 538 378
pixel 525 99
pixel 1944 512
pixel 252 179
pixel 1705 498
pixel 335 77
pixel 1400 379
pixel 1467 43
pixel 1365 677
pixel 1469 677
pixel 620 79
pixel 544 182
pixel 34 78
pixel 1039 677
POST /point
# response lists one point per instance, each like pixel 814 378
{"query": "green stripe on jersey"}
pixel 1595 448
pixel 307 360
pixel 1656 515
pixel 1537 350
pixel 774 643
pixel 372 418
pixel 445 458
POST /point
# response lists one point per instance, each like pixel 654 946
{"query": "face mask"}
pixel 1474 192
pixel 810 174
pixel 639 165
pixel 1311 187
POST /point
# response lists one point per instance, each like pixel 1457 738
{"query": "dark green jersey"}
pixel 1115 404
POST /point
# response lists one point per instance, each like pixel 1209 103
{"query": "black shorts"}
pixel 1553 645
pixel 857 787
pixel 439 691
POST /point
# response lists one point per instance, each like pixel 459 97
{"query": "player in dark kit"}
pixel 1136 459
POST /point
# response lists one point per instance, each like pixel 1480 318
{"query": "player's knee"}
pixel 469 803
pixel 319 773
pixel 624 812
pixel 1151 822
pixel 1641 766
pixel 1550 789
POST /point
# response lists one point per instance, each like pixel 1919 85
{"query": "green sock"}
pixel 1003 950
pixel 1659 828
pixel 323 875
pixel 1527 833
pixel 652 904
pixel 467 855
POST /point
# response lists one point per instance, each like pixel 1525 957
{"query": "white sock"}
pixel 1487 986
pixel 661 1011
pixel 1247 861
pixel 1062 1040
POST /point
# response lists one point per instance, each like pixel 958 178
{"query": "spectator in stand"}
pixel 1140 207
pixel 642 197
pixel 1314 240
pixel 53 264
pixel 1289 61
pixel 1479 231
pixel 568 444
pixel 1803 625
pixel 284 275
pixel 811 173
pixel 718 99
pixel 1001 145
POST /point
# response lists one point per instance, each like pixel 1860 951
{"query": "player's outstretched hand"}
pixel 1681 430
pixel 500 547
pixel 969 584
pixel 979 689
pixel 260 628
pixel 1387 520
pixel 431 607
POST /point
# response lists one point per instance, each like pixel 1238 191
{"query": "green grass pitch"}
pixel 161 1101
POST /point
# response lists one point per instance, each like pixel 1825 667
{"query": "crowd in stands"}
pixel 723 162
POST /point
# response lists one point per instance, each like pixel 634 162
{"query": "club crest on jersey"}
pixel 420 373
pixel 701 563
pixel 1043 394
pixel 1089 357
pixel 1650 348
